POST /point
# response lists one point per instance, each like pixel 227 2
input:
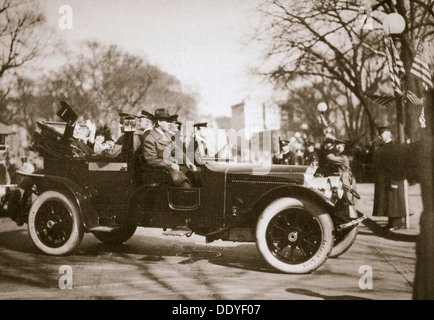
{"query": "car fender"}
pixel 296 192
pixel 79 195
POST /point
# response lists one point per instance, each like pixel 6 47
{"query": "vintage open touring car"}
pixel 297 219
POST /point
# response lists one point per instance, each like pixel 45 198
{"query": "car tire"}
pixel 344 242
pixel 54 223
pixel 117 236
pixel 294 236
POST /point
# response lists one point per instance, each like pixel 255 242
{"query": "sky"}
pixel 201 42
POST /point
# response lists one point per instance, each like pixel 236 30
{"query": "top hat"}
pixel 66 113
pixel 201 124
pixel 162 114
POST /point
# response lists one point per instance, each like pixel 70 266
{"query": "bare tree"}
pixel 324 39
pixel 21 40
pixel 103 80
pixel 419 20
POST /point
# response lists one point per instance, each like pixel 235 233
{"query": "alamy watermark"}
pixel 366 280
pixel 224 144
pixel 366 21
pixel 65 281
pixel 66 18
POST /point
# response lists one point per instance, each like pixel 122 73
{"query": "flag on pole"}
pixel 414 99
pixel 422 119
pixel 417 102
pixel 396 67
pixel 384 100
pixel 399 65
pixel 420 68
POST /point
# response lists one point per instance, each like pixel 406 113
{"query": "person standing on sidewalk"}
pixel 389 196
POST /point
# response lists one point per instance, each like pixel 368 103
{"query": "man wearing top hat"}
pixel 158 149
pixel 389 196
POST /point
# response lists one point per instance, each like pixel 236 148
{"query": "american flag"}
pixel 420 68
pixel 414 99
pixel 384 100
pixel 396 67
pixel 417 102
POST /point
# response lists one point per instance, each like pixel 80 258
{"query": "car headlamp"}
pixel 328 192
pixel 322 184
pixel 339 189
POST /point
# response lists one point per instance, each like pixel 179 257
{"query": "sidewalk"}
pixel 379 224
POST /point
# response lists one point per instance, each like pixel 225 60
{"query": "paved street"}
pixel 153 266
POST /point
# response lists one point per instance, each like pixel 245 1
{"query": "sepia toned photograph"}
pixel 215 155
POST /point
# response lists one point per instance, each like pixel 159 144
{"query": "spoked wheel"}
pixel 294 236
pixel 55 224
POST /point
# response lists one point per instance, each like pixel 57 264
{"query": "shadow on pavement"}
pixel 383 232
pixel 242 256
pixel 309 293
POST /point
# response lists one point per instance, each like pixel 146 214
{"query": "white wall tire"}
pixel 294 236
pixel 54 224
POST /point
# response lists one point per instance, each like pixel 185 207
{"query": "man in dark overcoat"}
pixel 389 194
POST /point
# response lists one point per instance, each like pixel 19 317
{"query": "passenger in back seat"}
pixel 84 136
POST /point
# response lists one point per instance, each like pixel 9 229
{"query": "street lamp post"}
pixel 322 107
pixel 394 24
pixel 304 127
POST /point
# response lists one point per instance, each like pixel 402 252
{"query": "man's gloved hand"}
pixel 191 166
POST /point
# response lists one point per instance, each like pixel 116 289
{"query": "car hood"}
pixel 278 171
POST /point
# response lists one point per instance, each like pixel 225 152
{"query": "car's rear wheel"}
pixel 54 223
pixel 294 236
pixel 116 236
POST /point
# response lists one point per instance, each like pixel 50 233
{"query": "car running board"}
pixel 103 229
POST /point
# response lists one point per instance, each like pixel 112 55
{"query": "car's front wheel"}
pixel 55 224
pixel 294 236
